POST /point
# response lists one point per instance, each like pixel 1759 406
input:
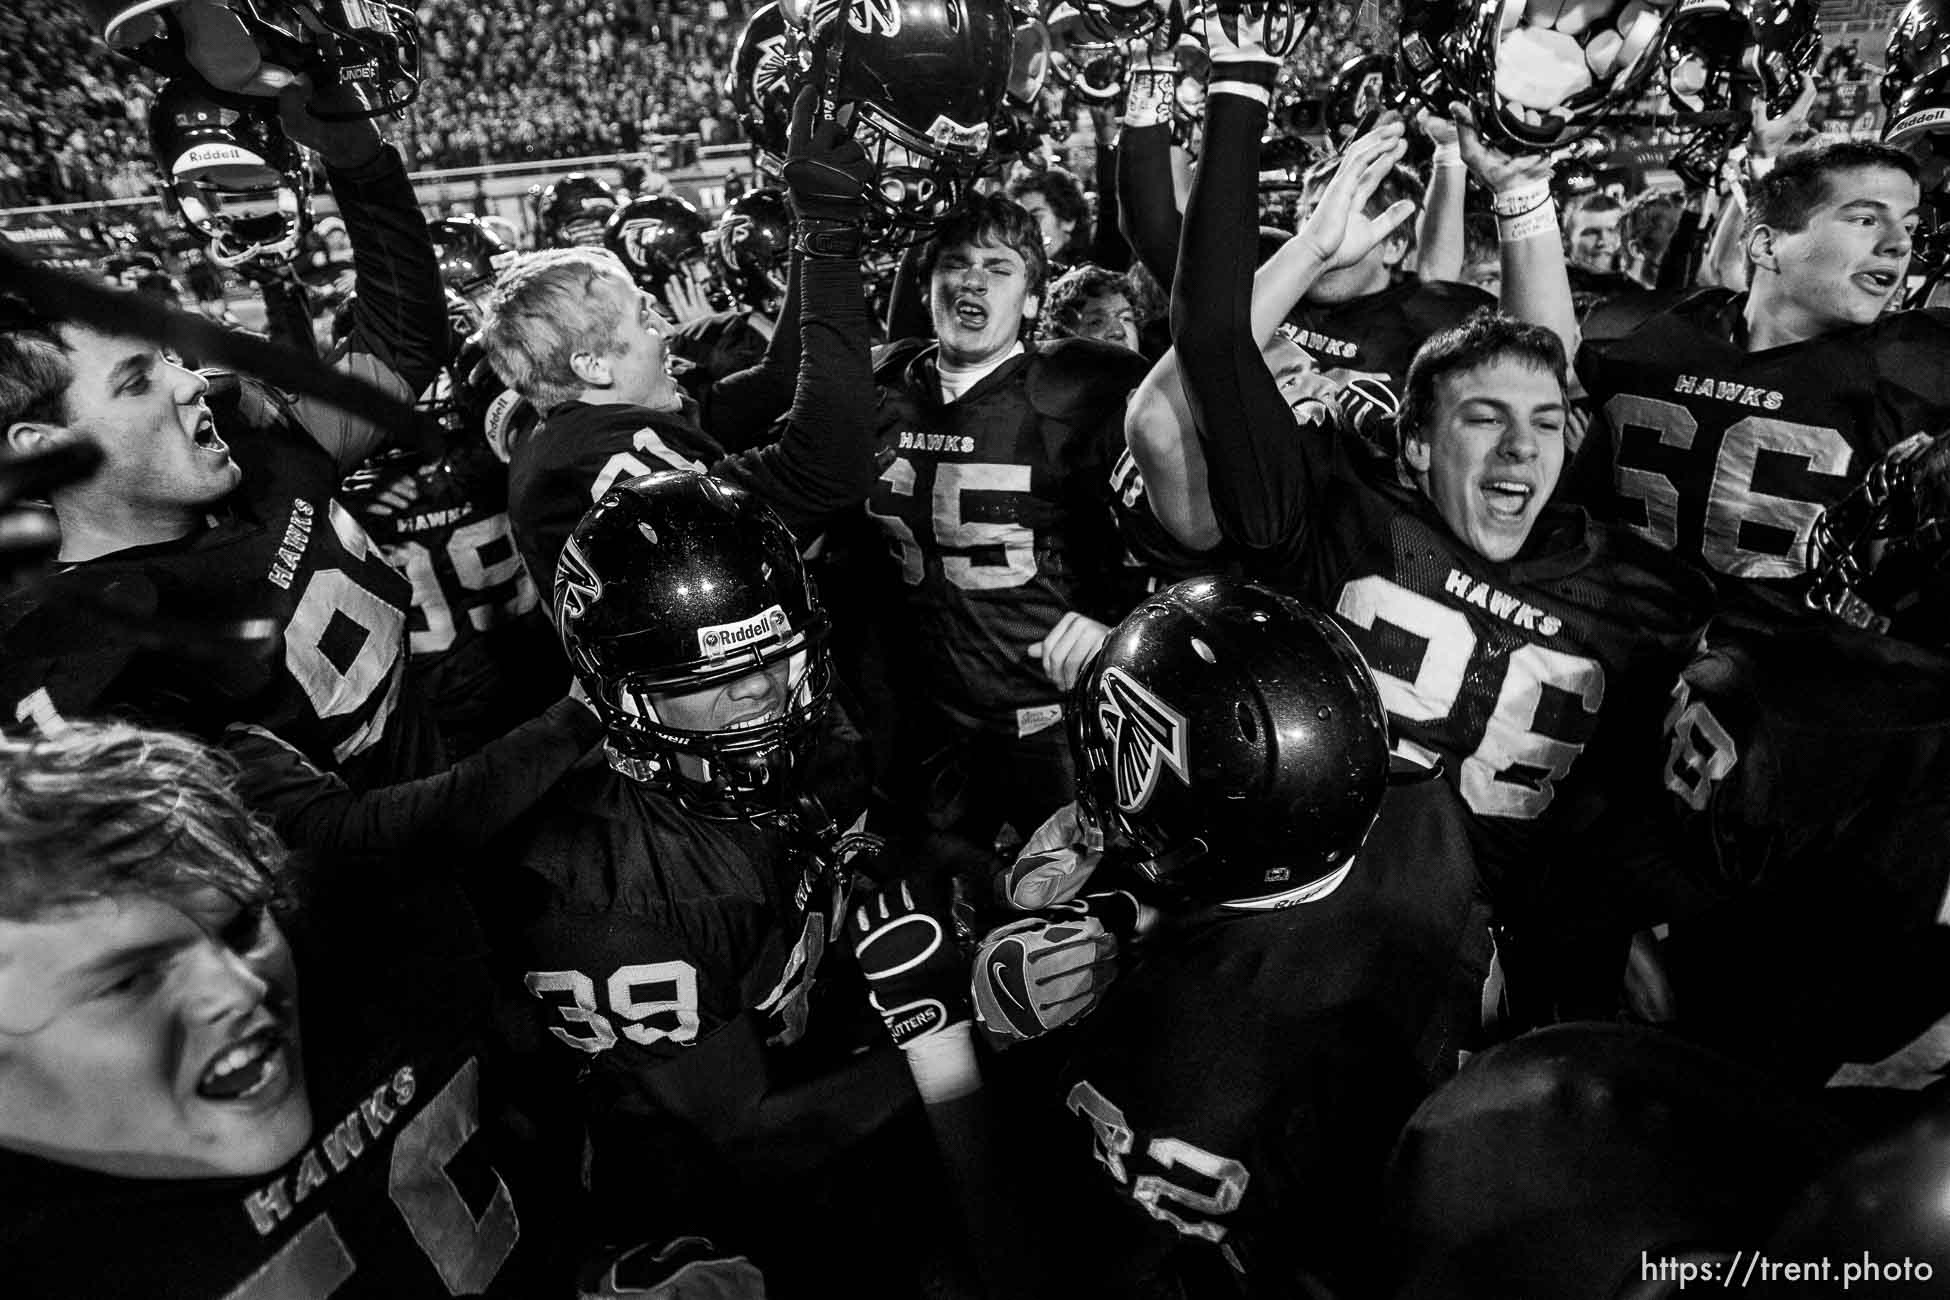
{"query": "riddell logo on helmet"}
pixel 198 157
pixel 723 638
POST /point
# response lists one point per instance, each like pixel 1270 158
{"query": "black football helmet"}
pixel 233 173
pixel 574 211
pixel 1083 58
pixel 1916 75
pixel 677 582
pixel 1283 23
pixel 658 236
pixel 760 85
pixel 1880 557
pixel 470 254
pixel 374 44
pixel 1362 87
pixel 926 79
pixel 1125 20
pixel 1230 741
pixel 751 247
pixel 1533 87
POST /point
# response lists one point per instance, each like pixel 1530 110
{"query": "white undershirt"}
pixel 956 380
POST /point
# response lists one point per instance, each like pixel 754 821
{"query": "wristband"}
pixel 827 238
pixel 1147 100
pixel 1528 198
pixel 1448 154
pixel 943 1063
pixel 1539 220
pixel 1243 89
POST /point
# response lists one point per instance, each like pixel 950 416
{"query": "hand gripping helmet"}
pixel 470 254
pixel 677 582
pixel 751 247
pixel 926 79
pixel 233 173
pixel 1083 58
pixel 1124 20
pixel 1283 23
pixel 1880 557
pixel 1538 76
pixel 759 85
pixel 574 210
pixel 1231 741
pixel 657 237
pixel 1916 78
pixel 373 44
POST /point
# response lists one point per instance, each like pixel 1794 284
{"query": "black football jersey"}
pixel 281 552
pixel 640 931
pixel 407 1190
pixel 1243 1080
pixel 1499 669
pixel 705 351
pixel 1728 456
pixel 1376 334
pixel 996 509
pixel 1808 764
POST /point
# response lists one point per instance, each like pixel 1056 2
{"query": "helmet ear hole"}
pixel 1248 724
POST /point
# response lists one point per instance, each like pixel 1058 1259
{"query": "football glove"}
pixel 916 978
pixel 1043 972
pixel 826 171
pixel 1056 863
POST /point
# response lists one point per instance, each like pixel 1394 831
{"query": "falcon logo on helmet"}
pixel 875 18
pixel 577 587
pixel 1146 737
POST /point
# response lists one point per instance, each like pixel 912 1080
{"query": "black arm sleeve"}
pixel 1146 206
pixel 740 409
pixel 459 809
pixel 1261 474
pixel 824 463
pixel 399 320
pixel 1108 247
pixel 907 304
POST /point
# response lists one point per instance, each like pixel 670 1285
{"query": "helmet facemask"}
pixel 735 772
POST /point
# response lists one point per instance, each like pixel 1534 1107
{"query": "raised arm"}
pixel 399 335
pixel 1263 478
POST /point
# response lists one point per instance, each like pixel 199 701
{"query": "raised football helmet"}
pixel 1916 75
pixel 660 236
pixel 1230 742
pixel 1880 557
pixel 1283 23
pixel 1125 20
pixel 751 247
pixel 926 79
pixel 1362 87
pixel 760 85
pixel 373 44
pixel 574 211
pixel 676 583
pixel 1537 79
pixel 1083 58
pixel 233 173
pixel 470 254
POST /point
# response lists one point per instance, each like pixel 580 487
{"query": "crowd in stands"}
pixel 507 82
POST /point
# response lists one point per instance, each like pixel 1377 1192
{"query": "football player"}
pixel 1722 428
pixel 1499 627
pixel 750 249
pixel 481 650
pixel 994 500
pixel 216 501
pixel 209 575
pixel 573 334
pixel 159 1075
pixel 666 909
pixel 1245 1076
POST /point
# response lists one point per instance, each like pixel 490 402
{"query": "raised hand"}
pixel 1338 231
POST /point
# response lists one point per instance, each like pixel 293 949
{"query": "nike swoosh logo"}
pixel 996 971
